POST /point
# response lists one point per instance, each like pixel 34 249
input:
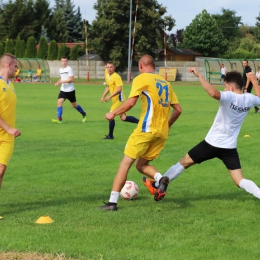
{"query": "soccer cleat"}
pixel 84 119
pixel 109 206
pixel 257 110
pixel 56 121
pixel 161 190
pixel 149 184
pixel 108 137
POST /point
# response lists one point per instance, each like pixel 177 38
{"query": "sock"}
pixel 250 187
pixel 59 112
pixel 157 178
pixel 79 108
pixel 114 196
pixel 173 172
pixel 131 119
pixel 111 127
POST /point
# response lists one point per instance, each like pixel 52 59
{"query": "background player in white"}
pixel 67 91
pixel 221 140
pixel 223 71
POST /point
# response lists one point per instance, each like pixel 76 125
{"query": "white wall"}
pixel 96 69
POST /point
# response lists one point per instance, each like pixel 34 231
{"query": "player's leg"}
pixel 61 99
pixel 6 151
pixel 112 123
pixel 2 172
pixel 130 119
pixel 119 182
pixel 72 98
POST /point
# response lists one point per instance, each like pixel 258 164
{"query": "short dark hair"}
pixel 64 57
pixel 234 77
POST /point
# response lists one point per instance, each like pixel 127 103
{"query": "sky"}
pixel 184 11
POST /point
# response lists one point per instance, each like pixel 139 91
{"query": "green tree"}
pixel 110 31
pixel 9 46
pixel 30 51
pixel 75 52
pixel 43 48
pixel 1 49
pixel 203 35
pixel 42 14
pixel 53 51
pixel 63 51
pixel 58 26
pixel 19 48
pixel 228 23
pixel 257 28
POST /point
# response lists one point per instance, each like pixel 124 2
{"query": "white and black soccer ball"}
pixel 129 191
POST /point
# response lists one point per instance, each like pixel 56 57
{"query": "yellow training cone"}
pixel 44 220
pixel 246 135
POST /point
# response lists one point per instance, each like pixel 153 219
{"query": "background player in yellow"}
pixel 148 139
pixel 114 86
pixel 8 67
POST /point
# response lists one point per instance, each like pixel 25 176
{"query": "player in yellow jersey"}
pixel 8 67
pixel 114 86
pixel 148 139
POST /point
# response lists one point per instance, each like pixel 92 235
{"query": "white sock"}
pixel 173 172
pixel 250 187
pixel 114 196
pixel 157 178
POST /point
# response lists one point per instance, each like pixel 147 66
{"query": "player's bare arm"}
pixel 104 94
pixel 127 105
pixel 10 130
pixel 175 113
pixel 61 81
pixel 252 77
pixel 210 89
pixel 117 91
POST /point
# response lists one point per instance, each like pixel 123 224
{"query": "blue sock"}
pixel 59 112
pixel 79 108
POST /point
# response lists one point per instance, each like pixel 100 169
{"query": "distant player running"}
pixel 67 91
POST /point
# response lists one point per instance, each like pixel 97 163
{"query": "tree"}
pixel 228 23
pixel 74 52
pixel 257 28
pixel 110 31
pixel 30 51
pixel 1 49
pixel 9 46
pixel 63 51
pixel 43 48
pixel 19 48
pixel 53 51
pixel 203 35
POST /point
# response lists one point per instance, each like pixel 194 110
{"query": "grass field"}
pixel 66 172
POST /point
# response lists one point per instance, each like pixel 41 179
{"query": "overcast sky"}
pixel 184 11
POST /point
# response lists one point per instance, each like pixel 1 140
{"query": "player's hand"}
pixel 251 76
pixel 194 71
pixel 102 100
pixel 56 84
pixel 13 131
pixel 107 98
pixel 109 116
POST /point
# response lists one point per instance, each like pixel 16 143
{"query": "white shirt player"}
pixel 229 118
pixel 223 71
pixel 65 73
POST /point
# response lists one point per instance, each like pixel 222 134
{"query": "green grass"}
pixel 66 172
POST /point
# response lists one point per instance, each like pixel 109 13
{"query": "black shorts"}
pixel 204 151
pixel 71 96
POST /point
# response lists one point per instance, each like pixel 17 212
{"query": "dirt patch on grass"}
pixel 32 256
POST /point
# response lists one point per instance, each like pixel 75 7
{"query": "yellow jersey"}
pixel 156 96
pixel 39 72
pixel 7 107
pixel 114 81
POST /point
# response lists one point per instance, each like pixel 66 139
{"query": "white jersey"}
pixel 229 118
pixel 65 73
pixel 223 71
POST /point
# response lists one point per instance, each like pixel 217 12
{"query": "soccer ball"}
pixel 129 191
